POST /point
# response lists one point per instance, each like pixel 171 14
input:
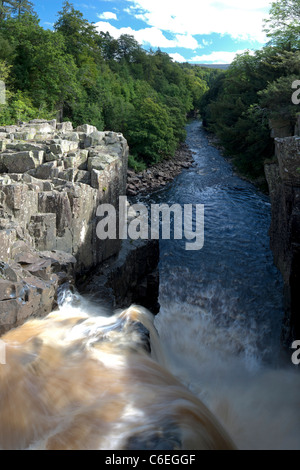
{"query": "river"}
pixel 222 306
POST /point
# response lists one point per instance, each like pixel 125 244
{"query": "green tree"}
pixel 20 7
pixel 6 7
pixel 87 76
pixel 80 36
pixel 53 78
pixel 128 48
pixel 150 132
pixel 283 25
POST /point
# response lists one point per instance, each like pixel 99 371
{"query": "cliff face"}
pixel 283 178
pixel 52 180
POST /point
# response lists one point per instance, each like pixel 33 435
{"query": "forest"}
pixel 256 91
pixel 76 73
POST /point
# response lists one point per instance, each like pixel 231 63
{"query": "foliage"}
pixel 135 164
pixel 255 89
pixel 150 133
pixel 283 24
pixel 85 76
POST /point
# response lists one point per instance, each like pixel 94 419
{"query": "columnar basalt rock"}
pixel 53 178
pixel 283 176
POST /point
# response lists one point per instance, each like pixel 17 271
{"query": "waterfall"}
pixel 76 380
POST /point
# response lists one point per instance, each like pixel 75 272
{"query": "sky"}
pixel 195 31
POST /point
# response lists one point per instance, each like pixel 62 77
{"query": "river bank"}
pixel 161 174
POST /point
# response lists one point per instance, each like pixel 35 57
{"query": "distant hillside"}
pixel 213 66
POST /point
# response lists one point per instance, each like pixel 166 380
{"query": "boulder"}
pixel 51 157
pixel 61 146
pixel 64 126
pixel 95 138
pixel 29 146
pixel 42 125
pixel 80 157
pixel 46 171
pixel 83 177
pixel 72 137
pixel 86 129
pixel 25 134
pixel 20 162
pixel 100 162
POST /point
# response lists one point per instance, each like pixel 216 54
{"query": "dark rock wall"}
pixel 131 277
pixel 283 176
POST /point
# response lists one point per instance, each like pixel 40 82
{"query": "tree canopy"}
pixel 283 24
pixel 255 90
pixel 79 74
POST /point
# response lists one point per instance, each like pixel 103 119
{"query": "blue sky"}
pixel 195 31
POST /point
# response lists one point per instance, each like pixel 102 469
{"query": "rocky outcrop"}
pixel 53 178
pixel 281 128
pixel 159 175
pixel 129 278
pixel 283 176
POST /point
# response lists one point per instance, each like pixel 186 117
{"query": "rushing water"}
pixel 230 288
pixel 221 307
pixel 81 379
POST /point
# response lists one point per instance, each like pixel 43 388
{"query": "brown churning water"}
pixel 77 381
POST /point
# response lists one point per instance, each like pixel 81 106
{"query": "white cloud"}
pixel 178 57
pixel 107 15
pixel 187 41
pixel 217 57
pixel 150 36
pixel 241 20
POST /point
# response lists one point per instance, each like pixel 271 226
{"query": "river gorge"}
pixel 218 376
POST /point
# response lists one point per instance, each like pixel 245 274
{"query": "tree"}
pixel 109 46
pixel 91 77
pixel 80 36
pixel 150 132
pixel 4 74
pixel 53 75
pixel 283 26
pixel 20 7
pixel 6 49
pixel 5 9
pixel 128 47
